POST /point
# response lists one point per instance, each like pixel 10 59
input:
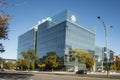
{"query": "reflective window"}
pixel 26 42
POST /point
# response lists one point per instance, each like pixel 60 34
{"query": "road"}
pixel 60 77
pixel 39 76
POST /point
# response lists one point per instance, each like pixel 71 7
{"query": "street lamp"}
pixel 106 39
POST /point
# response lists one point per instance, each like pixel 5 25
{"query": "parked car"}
pixel 81 72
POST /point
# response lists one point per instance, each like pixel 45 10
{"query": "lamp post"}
pixel 106 39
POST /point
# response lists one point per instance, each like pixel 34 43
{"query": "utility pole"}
pixel 106 40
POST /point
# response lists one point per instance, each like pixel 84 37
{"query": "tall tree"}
pixel 3 23
pixel 23 64
pixel 82 56
pixel 117 63
pixel 3 29
pixel 10 65
pixel 4 18
pixel 31 56
pixel 4 26
pixel 89 61
pixel 113 66
pixel 20 63
pixel 51 60
pixel 41 66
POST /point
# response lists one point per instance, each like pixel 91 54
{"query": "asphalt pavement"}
pixel 35 75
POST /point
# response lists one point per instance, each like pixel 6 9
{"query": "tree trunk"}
pixel 52 70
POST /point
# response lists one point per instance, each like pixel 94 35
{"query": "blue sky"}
pixel 29 12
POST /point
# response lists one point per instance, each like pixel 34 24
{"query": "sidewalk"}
pixel 57 72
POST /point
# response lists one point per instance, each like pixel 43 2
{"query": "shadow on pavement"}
pixel 15 76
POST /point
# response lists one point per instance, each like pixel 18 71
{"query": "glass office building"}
pixel 58 34
pixel 100 56
pixel 26 42
pixel 63 32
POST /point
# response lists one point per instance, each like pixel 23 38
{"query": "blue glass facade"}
pixel 79 37
pixel 60 33
pixel 26 42
pixel 51 39
pixel 99 52
pixel 63 32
